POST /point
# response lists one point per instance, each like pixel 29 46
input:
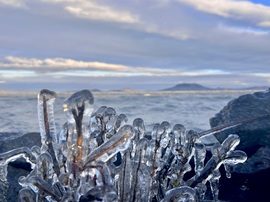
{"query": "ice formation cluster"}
pixel 97 156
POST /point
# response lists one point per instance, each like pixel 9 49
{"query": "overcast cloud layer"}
pixel 153 44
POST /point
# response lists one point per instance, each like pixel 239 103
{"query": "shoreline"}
pixel 130 92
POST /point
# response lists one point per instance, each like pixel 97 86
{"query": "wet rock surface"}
pixel 254 133
pixel 248 179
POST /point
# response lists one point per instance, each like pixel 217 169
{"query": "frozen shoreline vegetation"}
pixel 97 156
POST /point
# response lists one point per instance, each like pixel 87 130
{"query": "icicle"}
pixel 35 151
pixel 44 188
pixel 64 179
pixel 141 153
pixel 140 185
pixel 179 131
pixel 183 193
pixel 26 195
pixel 97 123
pixel 139 127
pixel 222 153
pixel 78 108
pixel 144 184
pixel 154 145
pixel 58 190
pixel 120 120
pixel 233 158
pixel 163 140
pixel 46 99
pixel 231 142
pixel 96 180
pixel 201 190
pixel 109 117
pixel 99 112
pixel 44 167
pixel 63 148
pixel 214 184
pixel 199 156
pixel 125 177
pixel 191 137
pixel 119 142
pixel 164 130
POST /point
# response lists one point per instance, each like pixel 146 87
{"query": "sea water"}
pixel 193 109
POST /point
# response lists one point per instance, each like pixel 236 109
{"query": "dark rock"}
pixel 26 140
pixel 3 191
pixel 16 170
pixel 245 107
pixel 258 161
pixel 245 187
pixel 254 135
pixel 9 190
pixel 248 179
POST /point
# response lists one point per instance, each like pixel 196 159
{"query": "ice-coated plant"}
pixel 97 156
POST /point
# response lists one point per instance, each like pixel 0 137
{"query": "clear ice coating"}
pixel 97 156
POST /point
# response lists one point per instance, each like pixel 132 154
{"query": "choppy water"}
pixel 192 109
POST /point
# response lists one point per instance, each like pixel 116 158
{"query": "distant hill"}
pixel 187 86
pixel 198 87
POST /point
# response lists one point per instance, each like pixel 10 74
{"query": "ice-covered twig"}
pixel 98 156
pixel 13 155
pixel 224 127
pixel 183 193
pixel 119 142
pixel 46 99
pixel 221 154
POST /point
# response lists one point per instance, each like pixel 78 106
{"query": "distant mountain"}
pixel 198 87
pixel 187 86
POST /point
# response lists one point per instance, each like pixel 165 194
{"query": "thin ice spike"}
pixel 46 99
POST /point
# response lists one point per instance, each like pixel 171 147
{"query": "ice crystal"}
pixel 97 156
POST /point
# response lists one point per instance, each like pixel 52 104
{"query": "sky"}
pixel 140 44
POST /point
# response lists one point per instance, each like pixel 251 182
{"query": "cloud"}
pixel 64 67
pixel 92 10
pixel 100 12
pixel 12 3
pixel 264 24
pixel 206 72
pixel 97 12
pixel 256 13
pixel 243 30
pixel 57 63
pixel 70 66
pixel 174 33
pixel 267 75
pixel 10 74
